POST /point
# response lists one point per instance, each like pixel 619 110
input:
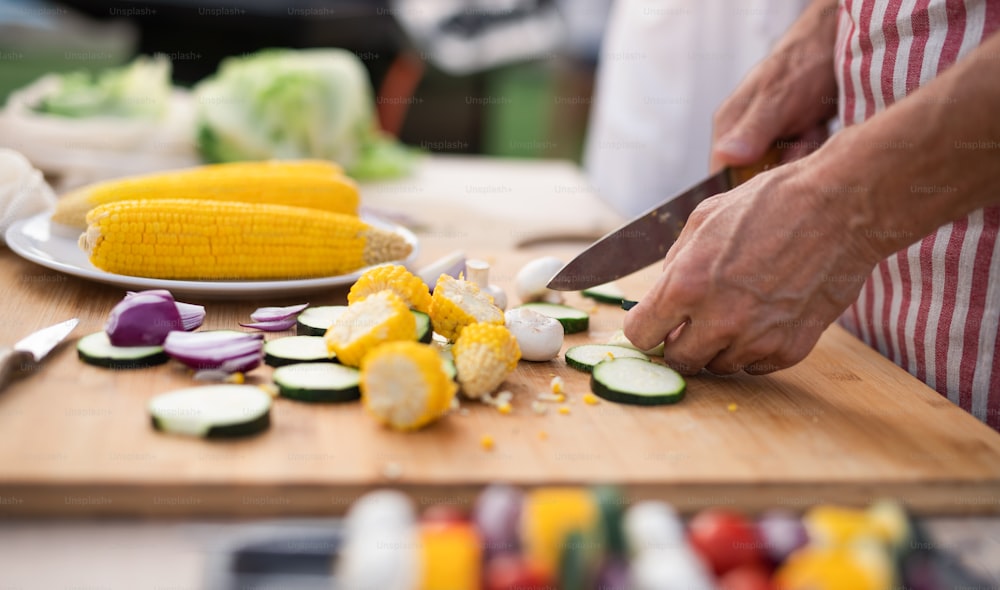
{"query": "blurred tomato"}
pixel 725 539
pixel 509 572
pixel 746 577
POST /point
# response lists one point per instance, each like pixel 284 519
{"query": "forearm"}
pixel 932 158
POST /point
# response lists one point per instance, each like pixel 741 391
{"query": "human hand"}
pixel 755 277
pixel 790 95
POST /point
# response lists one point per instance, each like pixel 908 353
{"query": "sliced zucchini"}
pixel 572 319
pixel 315 320
pixel 424 331
pixel 96 349
pixel 318 382
pixel 585 356
pixel 638 382
pixel 628 304
pixel 296 349
pixel 606 293
pixel 212 411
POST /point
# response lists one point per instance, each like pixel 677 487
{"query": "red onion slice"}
pixel 192 316
pixel 273 314
pixel 142 319
pixel 224 350
pixel 271 326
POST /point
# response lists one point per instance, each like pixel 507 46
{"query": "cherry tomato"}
pixel 510 571
pixel 746 577
pixel 725 539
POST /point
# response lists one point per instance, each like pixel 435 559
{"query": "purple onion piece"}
pixel 496 514
pixel 613 574
pixel 223 349
pixel 142 320
pixel 782 533
pixel 271 326
pixel 192 316
pixel 273 314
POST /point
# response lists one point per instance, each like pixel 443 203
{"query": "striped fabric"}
pixel 933 308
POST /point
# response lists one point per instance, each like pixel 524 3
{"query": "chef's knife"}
pixel 647 238
pixel 32 349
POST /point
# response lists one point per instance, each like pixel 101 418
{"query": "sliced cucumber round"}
pixel 424 331
pixel 318 382
pixel 296 349
pixel 449 367
pixel 586 356
pixel 638 382
pixel 315 320
pixel 96 349
pixel 212 411
pixel 572 319
pixel 606 293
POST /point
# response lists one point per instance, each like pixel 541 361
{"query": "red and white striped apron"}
pixel 933 308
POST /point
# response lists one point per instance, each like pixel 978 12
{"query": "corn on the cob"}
pixel 485 354
pixel 457 304
pixel 379 318
pixel 404 385
pixel 307 183
pixel 396 278
pixel 197 239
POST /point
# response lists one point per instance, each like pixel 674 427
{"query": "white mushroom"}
pixel 539 337
pixel 532 280
pixel 478 271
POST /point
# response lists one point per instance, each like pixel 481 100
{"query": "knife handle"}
pixel 11 362
pixel 740 174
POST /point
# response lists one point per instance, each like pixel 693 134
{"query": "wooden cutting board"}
pixel 844 426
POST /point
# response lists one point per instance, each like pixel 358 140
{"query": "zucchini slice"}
pixel 296 349
pixel 212 411
pixel 315 320
pixel 318 382
pixel 572 319
pixel 638 382
pixel 606 293
pixel 586 356
pixel 424 331
pixel 96 349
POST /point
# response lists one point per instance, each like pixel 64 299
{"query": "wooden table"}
pixel 845 426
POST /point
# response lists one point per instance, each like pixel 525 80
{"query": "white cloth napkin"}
pixel 23 190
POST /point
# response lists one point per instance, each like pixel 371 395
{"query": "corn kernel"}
pixel 591 399
pixel 237 378
pixel 486 442
pixel 564 410
pixel 733 407
pixel 556 384
pixel 538 407
pixel 504 408
pixel 543 435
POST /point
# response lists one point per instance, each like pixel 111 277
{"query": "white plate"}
pixel 42 242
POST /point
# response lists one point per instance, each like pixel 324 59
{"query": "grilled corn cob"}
pixel 457 304
pixel 379 318
pixel 306 183
pixel 485 354
pixel 404 385
pixel 396 278
pixel 197 239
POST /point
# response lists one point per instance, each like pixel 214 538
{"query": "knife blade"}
pixel 32 348
pixel 647 237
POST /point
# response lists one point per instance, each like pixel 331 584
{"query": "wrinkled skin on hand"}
pixel 755 277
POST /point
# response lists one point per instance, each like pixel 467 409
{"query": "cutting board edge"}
pixel 35 500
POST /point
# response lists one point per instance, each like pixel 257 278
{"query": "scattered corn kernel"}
pixel 548 397
pixel 504 396
pixel 237 378
pixel 486 442
pixel 591 399
pixel 269 388
pixel 505 407
pixel 538 407
pixel 557 384
pixel 543 435
pixel 733 407
pixel 564 410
